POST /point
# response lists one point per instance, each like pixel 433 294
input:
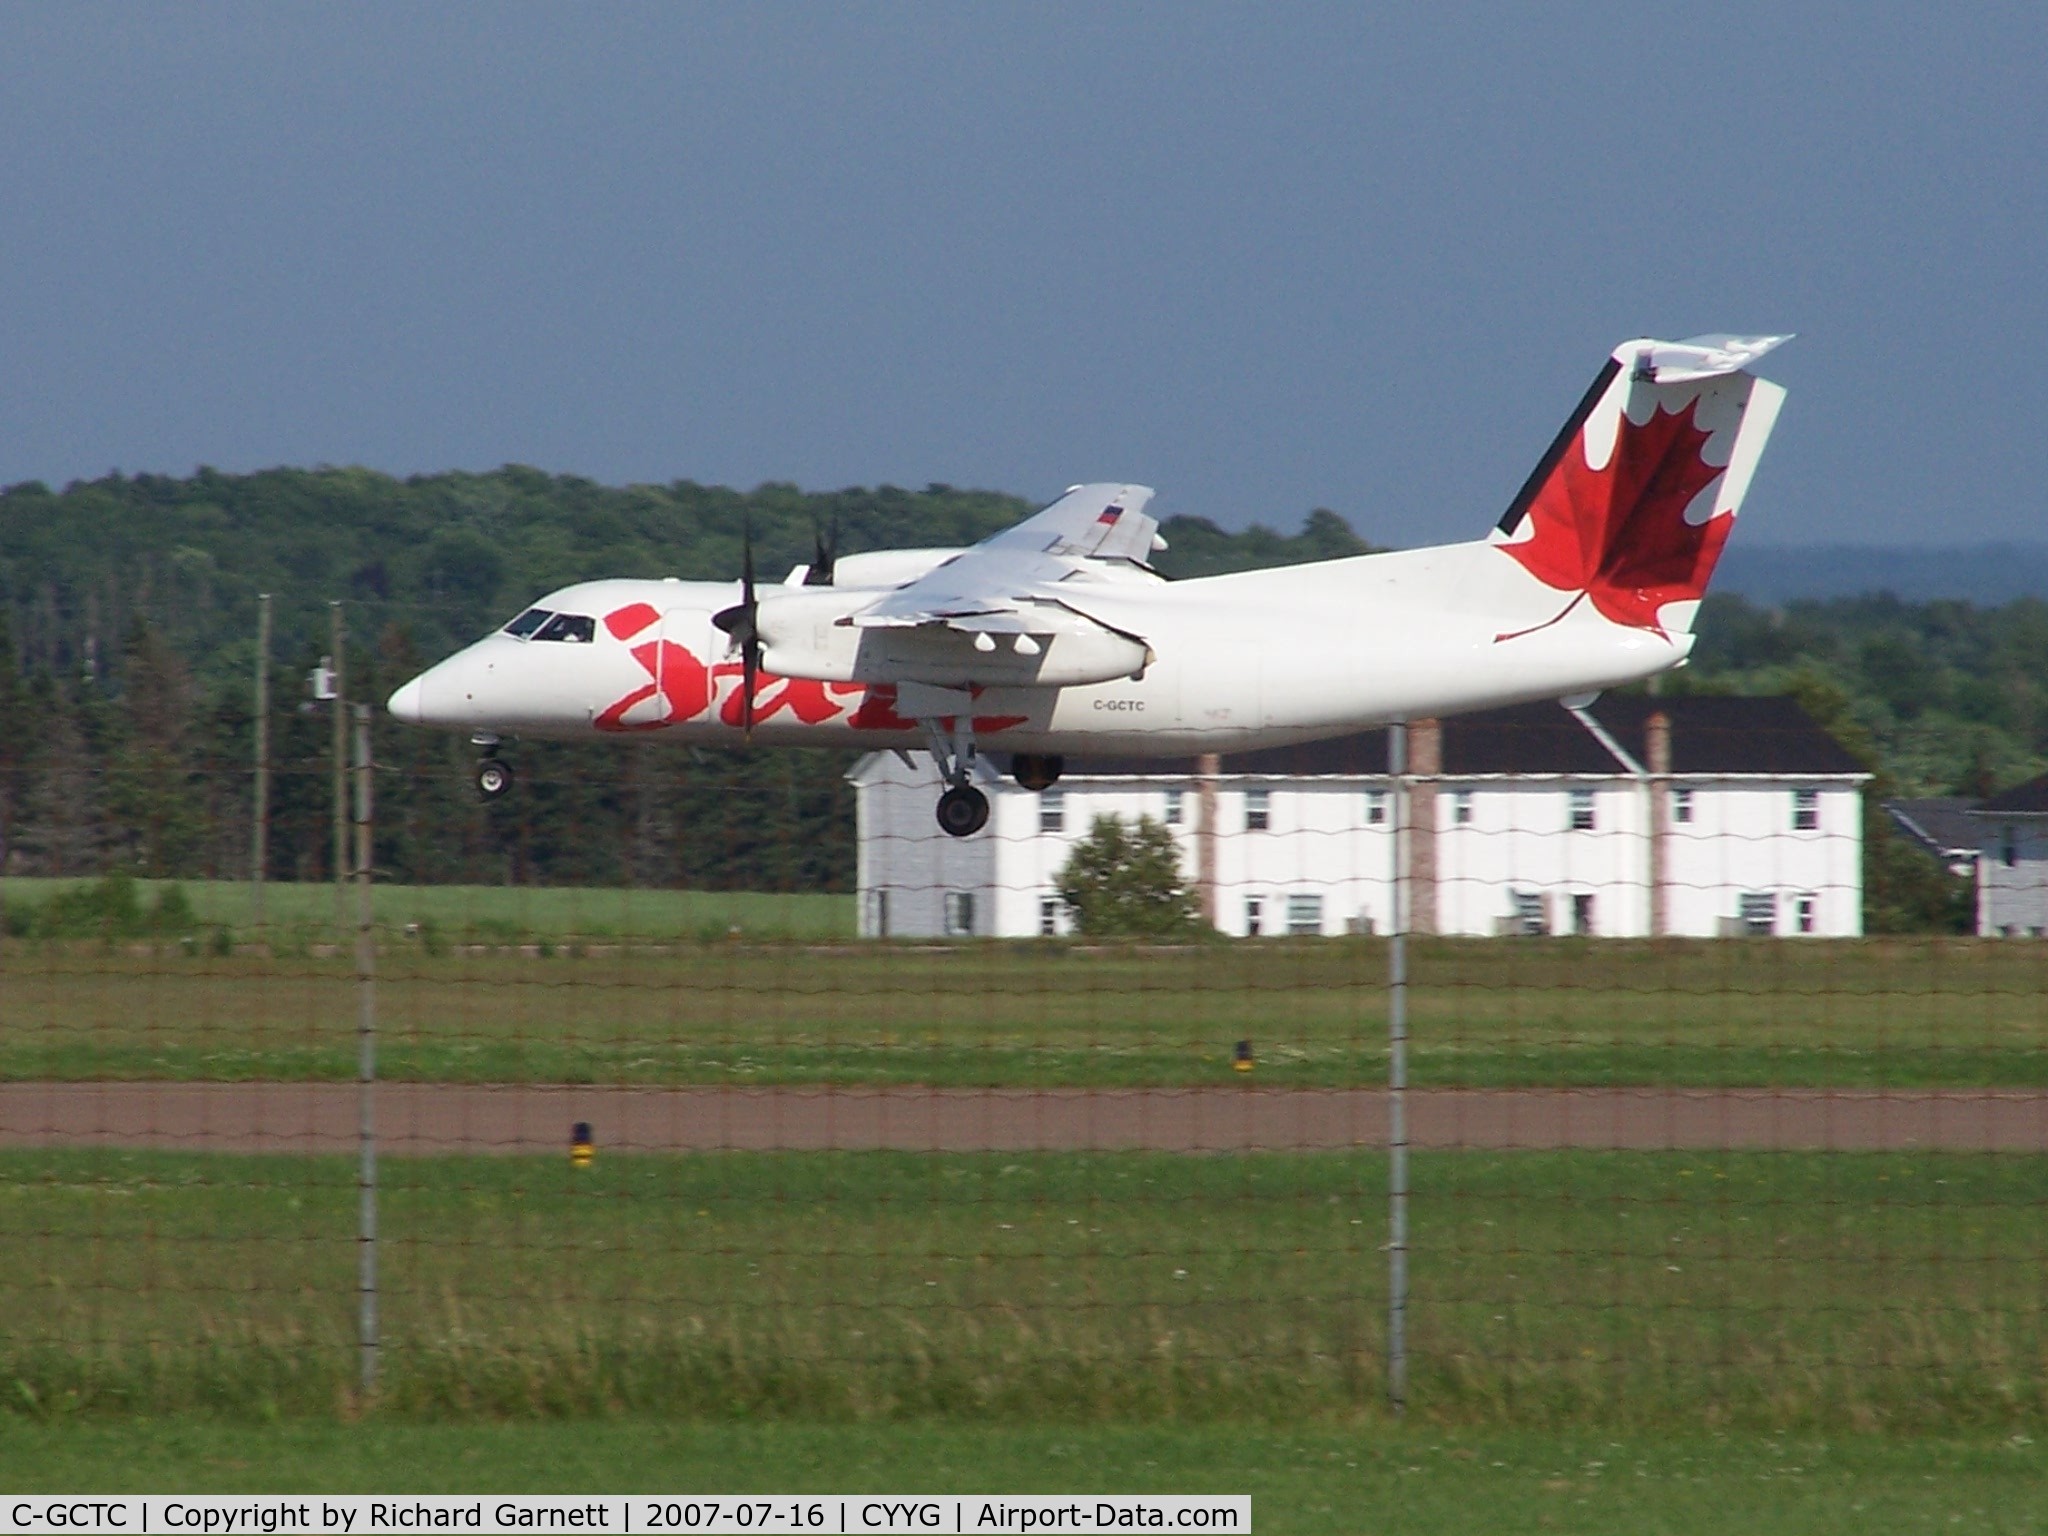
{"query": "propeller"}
pixel 742 623
pixel 825 547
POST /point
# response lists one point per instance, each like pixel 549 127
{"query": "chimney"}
pixel 1425 762
pixel 1657 759
pixel 1207 767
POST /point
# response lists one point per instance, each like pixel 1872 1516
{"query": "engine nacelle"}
pixel 802 636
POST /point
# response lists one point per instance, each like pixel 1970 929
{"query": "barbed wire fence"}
pixel 1541 1072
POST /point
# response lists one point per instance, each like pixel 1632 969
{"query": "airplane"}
pixel 1057 636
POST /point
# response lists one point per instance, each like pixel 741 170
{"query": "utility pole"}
pixel 366 1062
pixel 338 639
pixel 259 831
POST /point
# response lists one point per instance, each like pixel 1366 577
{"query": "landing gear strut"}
pixel 493 773
pixel 963 809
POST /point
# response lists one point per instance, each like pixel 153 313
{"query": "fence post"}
pixel 338 639
pixel 259 831
pixel 366 1062
pixel 1397 1083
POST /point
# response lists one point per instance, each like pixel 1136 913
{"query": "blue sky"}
pixel 1264 258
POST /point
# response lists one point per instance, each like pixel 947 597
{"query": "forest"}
pixel 128 638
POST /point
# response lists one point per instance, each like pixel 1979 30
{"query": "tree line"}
pixel 128 634
pixel 128 640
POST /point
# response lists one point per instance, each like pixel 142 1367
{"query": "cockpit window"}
pixel 576 628
pixel 528 622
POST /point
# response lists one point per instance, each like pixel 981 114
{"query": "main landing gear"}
pixel 963 809
pixel 1037 771
pixel 493 773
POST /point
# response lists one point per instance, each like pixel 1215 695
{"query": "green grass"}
pixel 297 915
pixel 1869 1291
pixel 1483 1013
pixel 1303 1480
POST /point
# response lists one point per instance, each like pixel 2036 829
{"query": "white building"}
pixel 1692 816
pixel 2012 864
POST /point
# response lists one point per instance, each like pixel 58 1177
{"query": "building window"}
pixel 1049 916
pixel 1758 911
pixel 1258 810
pixel 1052 811
pixel 1582 913
pixel 1173 807
pixel 1254 910
pixel 959 914
pixel 1528 918
pixel 1582 810
pixel 1375 807
pixel 1305 916
pixel 1461 808
pixel 1806 912
pixel 1681 806
pixel 1805 810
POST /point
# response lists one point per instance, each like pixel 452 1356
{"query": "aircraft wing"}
pixel 1101 522
pixel 1006 583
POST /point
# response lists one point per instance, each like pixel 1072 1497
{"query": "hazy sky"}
pixel 1263 257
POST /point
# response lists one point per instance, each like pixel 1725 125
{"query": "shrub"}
pixel 1125 880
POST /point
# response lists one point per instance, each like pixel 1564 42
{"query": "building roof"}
pixel 1942 825
pixel 2028 799
pixel 1711 734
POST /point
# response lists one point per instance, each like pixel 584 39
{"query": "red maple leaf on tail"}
pixel 1618 535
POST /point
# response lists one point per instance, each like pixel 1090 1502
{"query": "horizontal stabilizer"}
pixel 1695 358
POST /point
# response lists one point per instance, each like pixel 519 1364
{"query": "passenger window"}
pixel 576 628
pixel 528 622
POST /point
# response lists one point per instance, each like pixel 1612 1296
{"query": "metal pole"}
pixel 1397 1085
pixel 366 1064
pixel 259 831
pixel 337 639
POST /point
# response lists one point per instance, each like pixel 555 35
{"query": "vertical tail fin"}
pixel 1633 501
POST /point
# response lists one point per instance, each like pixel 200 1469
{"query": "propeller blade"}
pixel 741 623
pixel 750 672
pixel 750 641
pixel 825 553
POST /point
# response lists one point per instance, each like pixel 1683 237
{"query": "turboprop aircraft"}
pixel 1056 636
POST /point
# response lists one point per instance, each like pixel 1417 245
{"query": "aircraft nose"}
pixel 410 702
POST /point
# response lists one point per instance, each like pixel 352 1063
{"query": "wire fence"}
pixel 1678 1140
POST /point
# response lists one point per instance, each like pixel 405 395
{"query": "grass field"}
pixel 1894 1013
pixel 1868 1291
pixel 1304 1480
pixel 296 915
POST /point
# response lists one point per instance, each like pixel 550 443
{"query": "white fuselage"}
pixel 1258 658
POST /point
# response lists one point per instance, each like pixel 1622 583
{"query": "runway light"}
pixel 1241 1060
pixel 581 1148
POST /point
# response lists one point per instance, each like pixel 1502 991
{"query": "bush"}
pixel 108 908
pixel 173 911
pixel 1125 880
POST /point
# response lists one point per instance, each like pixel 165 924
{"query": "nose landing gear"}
pixel 493 773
